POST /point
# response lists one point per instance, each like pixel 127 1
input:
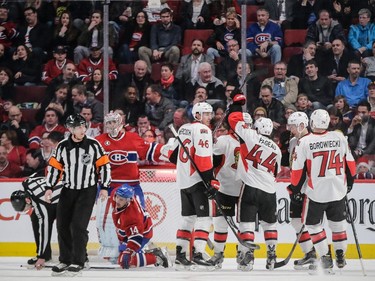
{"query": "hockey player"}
pixel 44 214
pixel 258 166
pixel 134 230
pixel 195 207
pixel 226 153
pixel 297 125
pixel 325 158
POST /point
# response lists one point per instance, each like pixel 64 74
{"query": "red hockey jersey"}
pixel 36 134
pixel 52 69
pixel 86 67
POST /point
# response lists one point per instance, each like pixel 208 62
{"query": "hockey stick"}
pixel 355 236
pixel 229 220
pixel 287 259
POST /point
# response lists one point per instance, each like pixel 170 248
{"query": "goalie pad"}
pixel 108 240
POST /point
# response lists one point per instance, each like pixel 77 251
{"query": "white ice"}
pixel 11 270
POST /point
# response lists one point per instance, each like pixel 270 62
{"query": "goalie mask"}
pixel 113 123
pixel 200 108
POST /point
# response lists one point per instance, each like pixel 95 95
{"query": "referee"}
pixel 78 161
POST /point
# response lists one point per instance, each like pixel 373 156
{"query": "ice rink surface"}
pixel 11 270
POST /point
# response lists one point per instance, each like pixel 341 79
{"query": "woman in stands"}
pixel 6 83
pixel 95 85
pixel 16 152
pixel 26 67
pixel 65 33
pixel 342 105
pixel 136 33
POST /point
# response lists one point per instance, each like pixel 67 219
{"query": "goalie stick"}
pixel 229 220
pixel 287 259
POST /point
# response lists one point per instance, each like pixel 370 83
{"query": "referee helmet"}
pixel 75 120
pixel 18 200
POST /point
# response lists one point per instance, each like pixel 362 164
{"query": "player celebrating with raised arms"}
pixel 324 158
pixel 134 230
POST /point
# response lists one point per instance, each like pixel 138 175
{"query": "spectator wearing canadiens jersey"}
pixel 265 38
pixel 54 67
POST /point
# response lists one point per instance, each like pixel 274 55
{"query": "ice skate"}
pixel 217 260
pixel 199 260
pixel 59 269
pixel 308 259
pixel 271 257
pixel 74 270
pixel 245 261
pixel 326 265
pixel 162 257
pixel 181 262
pixel 340 259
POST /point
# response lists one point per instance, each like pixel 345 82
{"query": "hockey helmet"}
pixel 297 118
pixel 113 123
pixel 200 108
pixel 18 200
pixel 319 119
pixel 125 191
pixel 264 126
pixel 75 120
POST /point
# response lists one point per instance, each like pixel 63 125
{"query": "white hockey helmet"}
pixel 264 126
pixel 200 108
pixel 113 123
pixel 297 118
pixel 319 119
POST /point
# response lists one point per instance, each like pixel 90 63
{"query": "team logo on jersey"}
pixel 262 37
pixel 107 142
pixel 86 159
pixel 156 207
pixel 119 157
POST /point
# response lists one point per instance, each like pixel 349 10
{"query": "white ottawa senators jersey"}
pixel 197 138
pixel 229 147
pixel 326 157
pixel 259 156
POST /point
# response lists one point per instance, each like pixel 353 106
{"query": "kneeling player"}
pixel 134 230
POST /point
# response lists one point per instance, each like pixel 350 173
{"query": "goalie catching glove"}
pixel 212 188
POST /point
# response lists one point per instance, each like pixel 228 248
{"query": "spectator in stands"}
pixel 187 70
pixel 66 34
pixel 363 169
pixel 130 104
pixel 16 124
pixel 8 31
pixel 218 40
pixel 50 123
pixel 369 64
pixel 344 11
pixel 195 14
pixel 334 66
pixel 361 132
pixel 258 112
pixel 304 104
pixel 165 38
pixel 16 152
pixel 61 102
pixel 354 88
pixel 306 12
pixel 136 33
pixel 159 109
pixel 297 63
pixel 144 124
pixel 93 129
pixel 200 95
pixel 54 67
pixel 362 35
pixel 95 84
pixel 47 146
pixel 140 78
pixel 87 65
pixel 284 88
pixel 180 117
pixel 265 38
pixel 4 57
pixel 226 69
pixel 68 76
pixel 371 98
pixel 154 12
pixel 35 162
pixel 7 169
pixel 81 97
pixel 34 35
pixel 6 83
pixel 122 12
pixel 275 109
pixel 218 113
pixel 336 121
pixel 26 67
pixel 219 8
pixel 281 12
pixel 318 88
pixel 342 105
pixel 149 136
pixel 92 36
pixel 7 104
pixel 324 31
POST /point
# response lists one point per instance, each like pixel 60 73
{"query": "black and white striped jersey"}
pixel 36 187
pixel 79 164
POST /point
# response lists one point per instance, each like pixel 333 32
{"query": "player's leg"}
pixel 337 222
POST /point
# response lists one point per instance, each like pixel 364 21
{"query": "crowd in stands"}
pixel 156 74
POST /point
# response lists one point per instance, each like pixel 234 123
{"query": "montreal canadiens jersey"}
pixel 197 138
pixel 124 152
pixel 259 156
pixel 326 157
pixel 229 147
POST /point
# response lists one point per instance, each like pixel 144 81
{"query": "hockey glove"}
pixel 296 197
pixel 349 189
pixel 212 189
pixel 238 97
pixel 122 247
pixel 125 257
